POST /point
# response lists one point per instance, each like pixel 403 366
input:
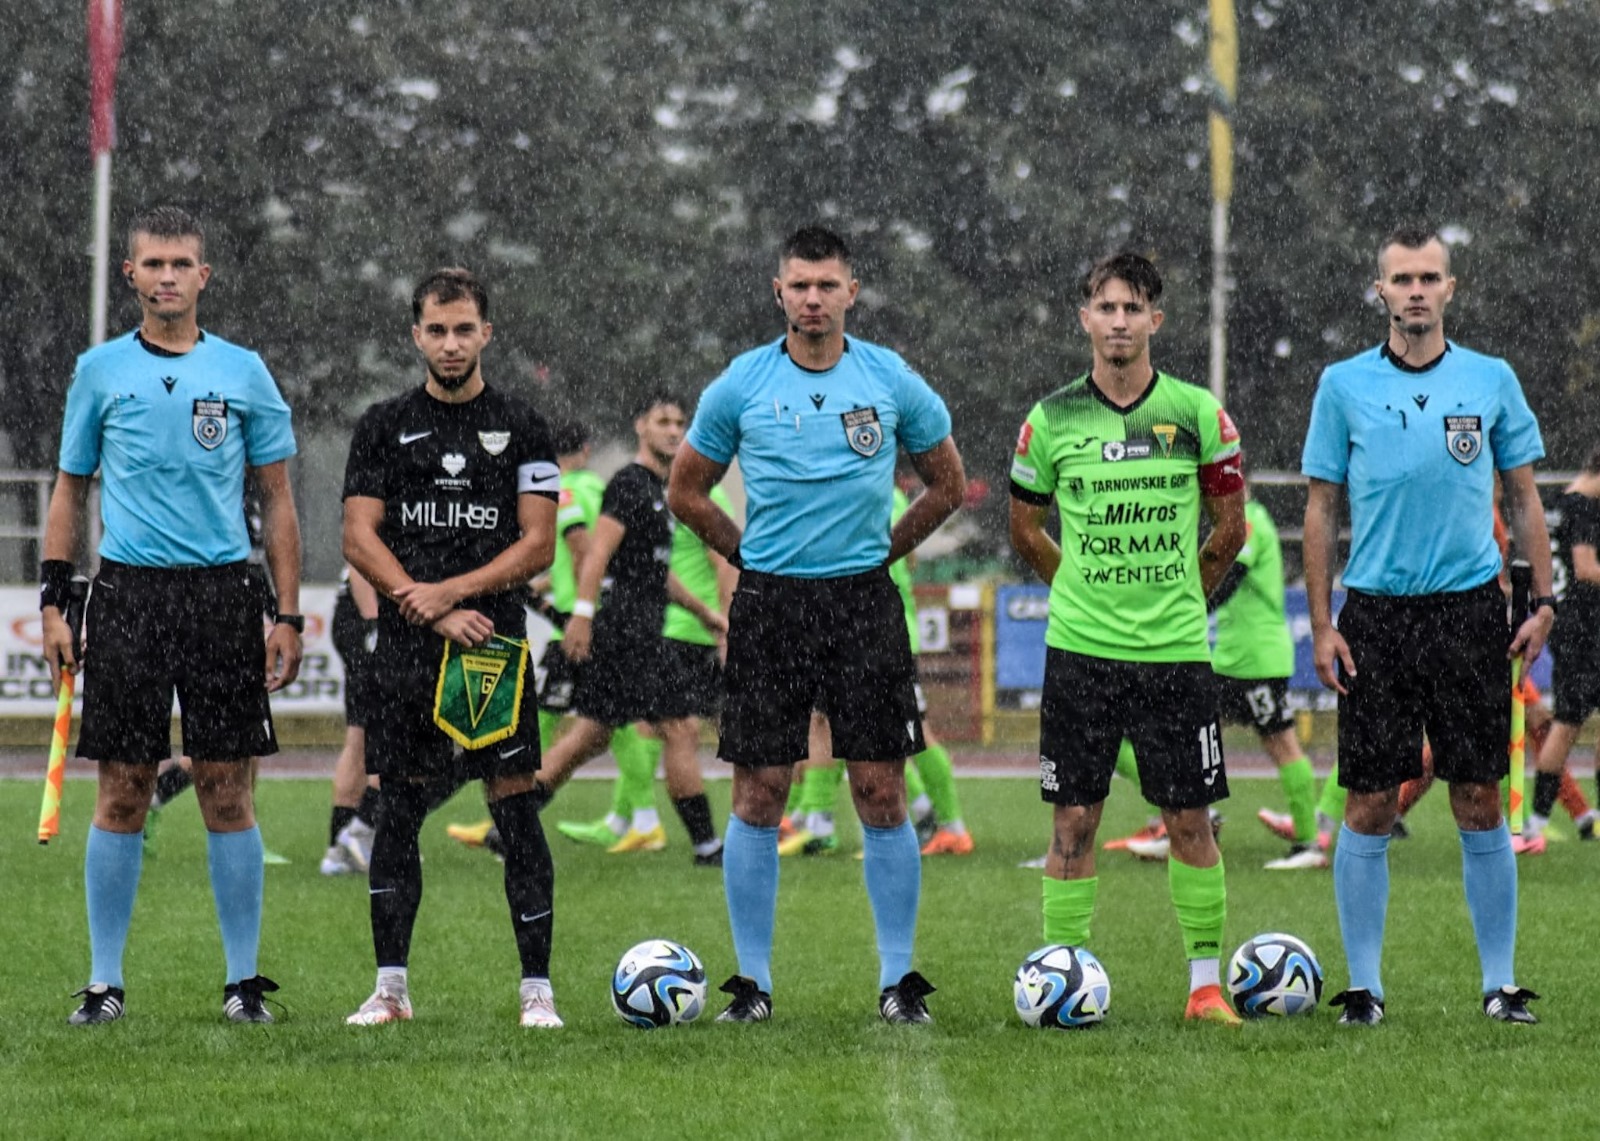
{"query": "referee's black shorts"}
pixel 837 645
pixel 1430 664
pixel 196 631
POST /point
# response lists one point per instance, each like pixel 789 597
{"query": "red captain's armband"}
pixel 1025 438
pixel 1224 477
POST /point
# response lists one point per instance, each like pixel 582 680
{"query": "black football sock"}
pixel 395 876
pixel 337 820
pixel 1546 788
pixel 367 810
pixel 171 783
pixel 695 812
pixel 530 879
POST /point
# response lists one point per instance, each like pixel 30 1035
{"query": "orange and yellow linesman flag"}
pixel 56 769
pixel 1224 89
pixel 478 700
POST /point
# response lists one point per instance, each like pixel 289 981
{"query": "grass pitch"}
pixel 825 1066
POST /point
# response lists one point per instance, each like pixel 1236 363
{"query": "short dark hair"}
pixel 568 436
pixel 1412 237
pixel 167 222
pixel 654 399
pixel 815 243
pixel 451 283
pixel 1138 272
pixel 1591 466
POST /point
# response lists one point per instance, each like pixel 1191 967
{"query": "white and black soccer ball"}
pixel 1062 988
pixel 658 983
pixel 1274 974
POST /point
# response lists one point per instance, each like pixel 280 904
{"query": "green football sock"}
pixel 819 791
pixel 1300 790
pixel 1068 908
pixel 915 788
pixel 548 724
pixel 1128 770
pixel 938 776
pixel 1331 803
pixel 1200 897
pixel 636 756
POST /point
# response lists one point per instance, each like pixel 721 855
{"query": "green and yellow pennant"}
pixel 479 697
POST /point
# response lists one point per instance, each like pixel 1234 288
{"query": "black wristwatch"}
pixel 1545 600
pixel 295 622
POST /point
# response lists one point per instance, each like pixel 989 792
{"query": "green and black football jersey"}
pixel 1128 483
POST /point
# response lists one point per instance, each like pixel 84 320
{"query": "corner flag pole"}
pixel 1224 89
pixel 105 50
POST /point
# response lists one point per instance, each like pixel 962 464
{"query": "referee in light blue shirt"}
pixel 815 420
pixel 172 417
pixel 1415 430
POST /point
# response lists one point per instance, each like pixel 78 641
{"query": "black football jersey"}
pixel 634 602
pixel 450 476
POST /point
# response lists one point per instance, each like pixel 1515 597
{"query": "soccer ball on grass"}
pixel 658 983
pixel 1274 974
pixel 1062 988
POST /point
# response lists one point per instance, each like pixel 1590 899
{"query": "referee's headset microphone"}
pixel 150 297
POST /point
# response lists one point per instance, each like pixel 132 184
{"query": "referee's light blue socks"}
pixel 236 882
pixel 893 866
pixel 1361 890
pixel 750 881
pixel 111 865
pixel 1489 873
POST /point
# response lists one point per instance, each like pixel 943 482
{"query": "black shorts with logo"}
pixel 1168 710
pixel 403 742
pixel 837 645
pixel 691 680
pixel 199 631
pixel 350 633
pixel 1261 702
pixel 1428 664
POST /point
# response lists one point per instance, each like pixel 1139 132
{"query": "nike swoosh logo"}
pixel 531 918
pixel 413 437
pixel 513 752
pixel 378 890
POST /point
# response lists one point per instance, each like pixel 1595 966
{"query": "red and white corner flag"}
pixel 105 52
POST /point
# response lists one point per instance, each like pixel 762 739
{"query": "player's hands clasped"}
pixel 424 603
pixel 465 627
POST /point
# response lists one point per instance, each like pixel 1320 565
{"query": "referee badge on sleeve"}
pixel 478 700
pixel 210 422
pixel 862 429
pixel 1463 435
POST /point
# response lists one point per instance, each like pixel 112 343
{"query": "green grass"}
pixel 826 1066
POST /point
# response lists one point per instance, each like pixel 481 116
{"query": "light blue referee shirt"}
pixel 171 435
pixel 1417 450
pixel 817 452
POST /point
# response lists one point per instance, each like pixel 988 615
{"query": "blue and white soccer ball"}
pixel 1274 974
pixel 658 983
pixel 1062 988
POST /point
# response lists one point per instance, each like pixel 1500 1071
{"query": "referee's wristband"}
pixel 55 583
pixel 583 608
pixel 1542 601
